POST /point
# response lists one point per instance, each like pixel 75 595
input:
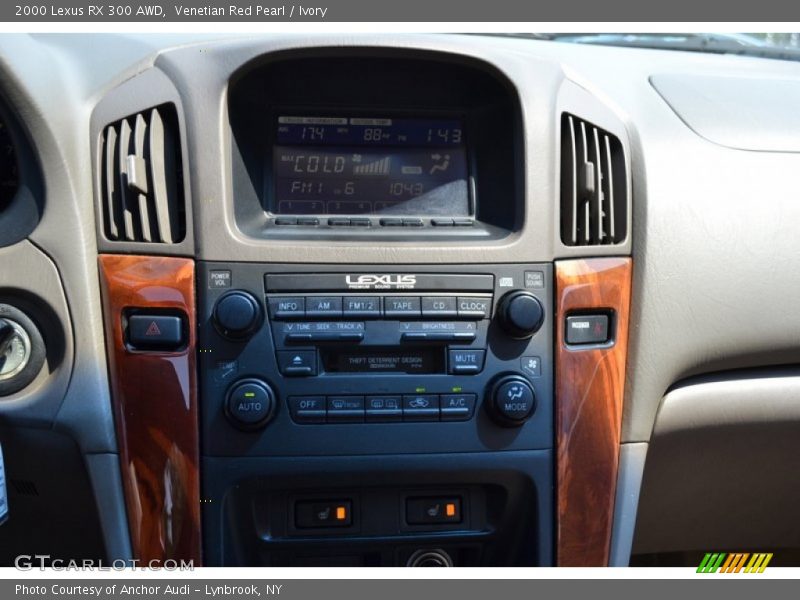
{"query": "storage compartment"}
pixel 721 471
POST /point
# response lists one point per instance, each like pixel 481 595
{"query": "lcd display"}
pixel 363 166
pixel 412 360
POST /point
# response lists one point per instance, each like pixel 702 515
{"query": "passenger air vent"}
pixel 594 185
pixel 142 179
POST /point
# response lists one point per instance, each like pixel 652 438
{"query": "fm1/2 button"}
pixel 511 401
pixel 250 404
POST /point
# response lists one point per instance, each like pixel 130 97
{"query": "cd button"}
pixel 442 222
pixel 435 306
pixel 401 306
pixel 360 222
pixel 308 221
pixel 323 306
pixel 412 222
pixel 339 222
pixel 391 222
pixel 423 407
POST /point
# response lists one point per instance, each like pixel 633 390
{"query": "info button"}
pixel 286 308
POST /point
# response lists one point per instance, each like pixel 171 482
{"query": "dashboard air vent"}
pixel 142 179
pixel 594 185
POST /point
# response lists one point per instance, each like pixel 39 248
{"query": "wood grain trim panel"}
pixel 589 385
pixel 155 405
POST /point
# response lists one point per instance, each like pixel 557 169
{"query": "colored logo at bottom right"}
pixel 734 562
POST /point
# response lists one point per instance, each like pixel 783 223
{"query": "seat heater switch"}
pixel 323 513
pixel 420 511
pixel 587 329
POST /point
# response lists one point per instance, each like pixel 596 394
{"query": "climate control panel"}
pixel 406 360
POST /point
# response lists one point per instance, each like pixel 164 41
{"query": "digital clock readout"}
pixel 357 166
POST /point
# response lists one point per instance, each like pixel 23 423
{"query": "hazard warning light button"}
pixel 155 332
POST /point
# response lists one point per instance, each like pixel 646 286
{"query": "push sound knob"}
pixel 520 313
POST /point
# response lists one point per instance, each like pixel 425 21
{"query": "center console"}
pixel 382 413
pixel 440 377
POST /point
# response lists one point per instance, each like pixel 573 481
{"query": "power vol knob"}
pixel 237 315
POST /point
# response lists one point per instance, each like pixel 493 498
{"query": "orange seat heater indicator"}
pixel 341 513
pixel 450 509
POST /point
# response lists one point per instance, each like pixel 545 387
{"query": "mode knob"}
pixel 520 313
pixel 250 404
pixel 237 314
pixel 511 401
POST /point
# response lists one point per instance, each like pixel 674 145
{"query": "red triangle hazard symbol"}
pixel 153 329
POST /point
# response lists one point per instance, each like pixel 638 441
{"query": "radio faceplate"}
pixel 397 361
